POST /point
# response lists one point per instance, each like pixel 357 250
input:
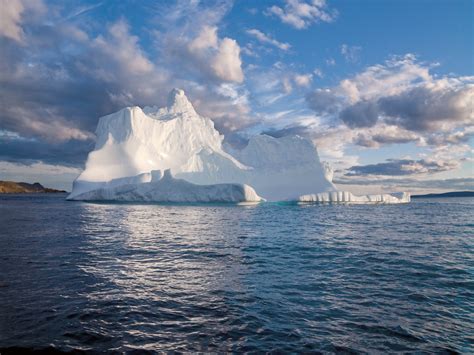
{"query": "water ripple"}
pixel 267 278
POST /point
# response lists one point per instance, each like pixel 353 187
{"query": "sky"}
pixel 385 89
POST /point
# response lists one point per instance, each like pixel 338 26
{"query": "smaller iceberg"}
pixel 347 197
pixel 163 187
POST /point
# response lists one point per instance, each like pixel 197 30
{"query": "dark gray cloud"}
pixel 71 153
pixel 361 114
pixel 423 108
pixel 303 131
pixel 323 101
pixel 375 140
pixel 400 167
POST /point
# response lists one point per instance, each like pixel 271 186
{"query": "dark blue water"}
pixel 270 277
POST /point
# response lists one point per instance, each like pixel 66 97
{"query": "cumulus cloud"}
pixel 264 38
pixel 301 14
pixel 430 107
pixel 402 93
pixel 227 64
pixel 60 99
pixel 207 38
pixel 122 48
pixel 204 57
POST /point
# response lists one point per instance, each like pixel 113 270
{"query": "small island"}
pixel 12 187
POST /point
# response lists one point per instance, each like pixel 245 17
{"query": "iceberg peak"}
pixel 179 103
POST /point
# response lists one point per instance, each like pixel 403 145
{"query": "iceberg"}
pixel 165 188
pixel 347 197
pixel 135 145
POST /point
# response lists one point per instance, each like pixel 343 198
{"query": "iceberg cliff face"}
pixel 133 143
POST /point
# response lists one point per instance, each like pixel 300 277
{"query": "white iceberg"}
pixel 133 144
pixel 158 187
pixel 347 197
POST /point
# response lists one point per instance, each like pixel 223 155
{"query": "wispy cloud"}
pixel 301 14
pixel 82 10
pixel 351 53
pixel 264 38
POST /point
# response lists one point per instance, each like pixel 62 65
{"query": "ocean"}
pixel 277 278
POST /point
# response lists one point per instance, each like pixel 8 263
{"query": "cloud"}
pixel 227 64
pixel 384 135
pixel 430 106
pixel 12 15
pixel 207 38
pixel 287 131
pixel 426 107
pixel 318 72
pixel 361 114
pixel 410 184
pixel 51 175
pixel 301 14
pixel 82 10
pixel 324 101
pixel 351 53
pixel 10 19
pixel 400 167
pixel 203 57
pixel 68 153
pixel 122 49
pixel 60 99
pixel 456 137
pixel 262 37
pixel 303 80
pixel 401 93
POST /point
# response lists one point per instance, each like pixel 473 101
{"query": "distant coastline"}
pixel 447 194
pixel 12 187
